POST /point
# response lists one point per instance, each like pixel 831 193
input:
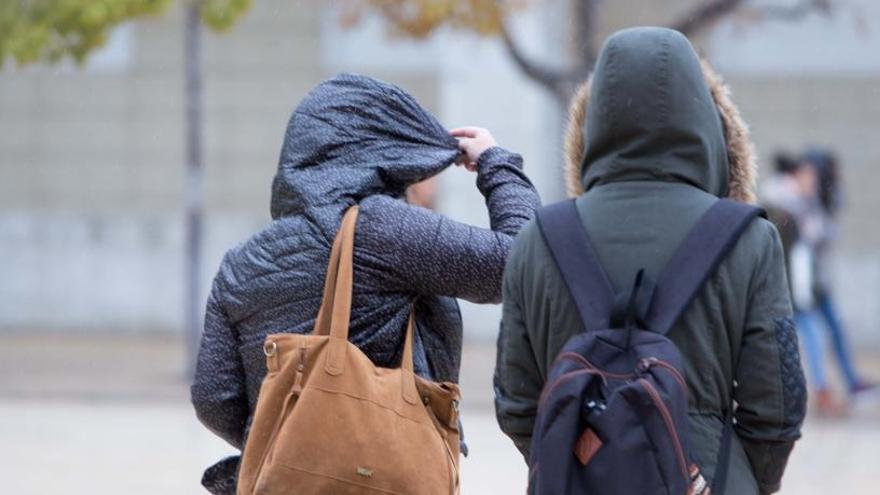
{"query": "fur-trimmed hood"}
pixel 644 114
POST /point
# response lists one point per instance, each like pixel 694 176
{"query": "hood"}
pixel 352 137
pixel 652 110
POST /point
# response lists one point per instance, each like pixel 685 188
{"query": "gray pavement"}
pixel 108 415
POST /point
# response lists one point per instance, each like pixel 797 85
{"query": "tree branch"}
pixel 554 80
pixel 707 13
pixel 584 33
pixel 561 82
pixel 791 12
pixel 704 15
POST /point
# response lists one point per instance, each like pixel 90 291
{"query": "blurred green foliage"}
pixel 33 31
pixel 51 30
pixel 220 15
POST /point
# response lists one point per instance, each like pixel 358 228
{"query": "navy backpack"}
pixel 613 415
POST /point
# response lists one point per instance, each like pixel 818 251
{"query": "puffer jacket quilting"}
pixel 354 140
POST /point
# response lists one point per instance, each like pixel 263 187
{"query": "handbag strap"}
pixel 336 300
pixel 322 322
pixel 335 313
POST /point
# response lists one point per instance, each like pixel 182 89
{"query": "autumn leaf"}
pixel 421 18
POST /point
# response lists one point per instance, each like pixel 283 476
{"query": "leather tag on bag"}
pixel 587 446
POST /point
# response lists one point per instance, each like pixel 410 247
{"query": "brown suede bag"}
pixel 329 421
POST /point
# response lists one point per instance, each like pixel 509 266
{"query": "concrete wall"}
pixel 92 167
pixel 843 114
pixel 816 82
pixel 810 82
pixel 92 159
pixel 92 164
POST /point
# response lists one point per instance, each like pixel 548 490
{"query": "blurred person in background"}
pixel 802 197
pixel 829 196
pixel 790 200
pixel 356 140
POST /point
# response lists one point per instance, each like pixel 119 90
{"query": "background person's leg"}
pixel 814 350
pixel 838 340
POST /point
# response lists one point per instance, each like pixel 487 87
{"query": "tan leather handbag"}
pixel 329 421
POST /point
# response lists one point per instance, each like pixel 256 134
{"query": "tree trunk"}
pixel 193 186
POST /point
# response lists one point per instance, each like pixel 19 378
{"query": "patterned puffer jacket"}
pixel 354 140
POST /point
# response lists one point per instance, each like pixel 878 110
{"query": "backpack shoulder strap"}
pixel 576 259
pixel 696 259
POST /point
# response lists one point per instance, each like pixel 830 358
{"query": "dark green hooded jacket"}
pixel 662 143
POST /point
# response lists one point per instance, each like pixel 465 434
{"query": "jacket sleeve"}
pixel 419 251
pixel 770 389
pixel 218 390
pixel 518 379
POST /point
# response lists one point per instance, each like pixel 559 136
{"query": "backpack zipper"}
pixel 643 366
pixel 670 424
pixel 646 364
pixel 564 378
pixel 573 356
pixel 584 367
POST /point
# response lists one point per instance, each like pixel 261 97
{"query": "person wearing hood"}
pixel 793 206
pixel 803 198
pixel 829 191
pixel 354 140
pixel 653 142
